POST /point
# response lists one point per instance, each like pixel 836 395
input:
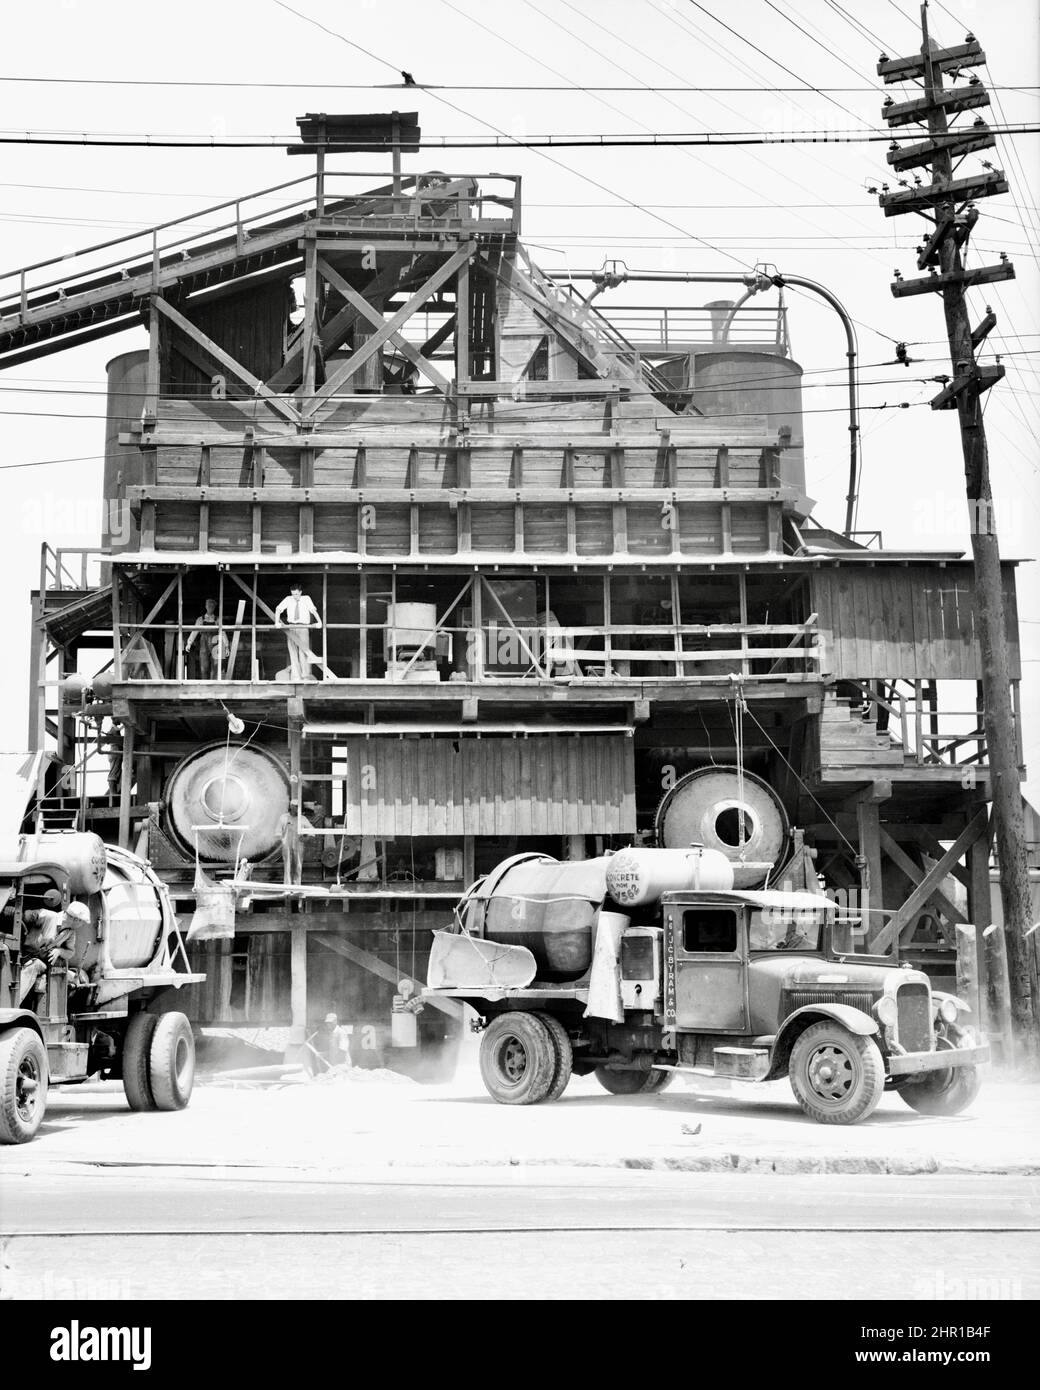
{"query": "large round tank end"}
pixel 740 817
pixel 225 801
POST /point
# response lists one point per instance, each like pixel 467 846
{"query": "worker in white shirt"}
pixel 297 615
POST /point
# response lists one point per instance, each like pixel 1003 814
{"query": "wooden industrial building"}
pixel 561 555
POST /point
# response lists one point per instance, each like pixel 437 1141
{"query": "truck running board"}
pixel 736 1063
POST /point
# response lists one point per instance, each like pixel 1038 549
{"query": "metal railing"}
pixel 485 201
pixel 661 329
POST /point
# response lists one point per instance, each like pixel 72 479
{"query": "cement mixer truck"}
pixel 84 994
pixel 645 963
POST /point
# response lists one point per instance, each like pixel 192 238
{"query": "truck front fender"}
pixel 853 1020
pixel 19 1018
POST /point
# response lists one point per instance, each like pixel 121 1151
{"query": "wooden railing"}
pixel 69 567
pixel 492 653
pixel 932 735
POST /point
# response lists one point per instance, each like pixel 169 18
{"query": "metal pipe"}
pixel 756 281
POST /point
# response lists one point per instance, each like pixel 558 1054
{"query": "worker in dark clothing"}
pixel 48 942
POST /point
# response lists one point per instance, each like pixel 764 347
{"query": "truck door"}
pixel 707 949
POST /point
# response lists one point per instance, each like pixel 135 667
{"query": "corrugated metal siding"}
pixel 915 622
pixel 545 785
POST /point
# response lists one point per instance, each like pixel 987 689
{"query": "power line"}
pixel 502 141
pixel 430 86
pixel 568 168
pixel 775 61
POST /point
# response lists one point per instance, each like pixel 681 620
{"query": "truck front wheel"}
pixel 837 1077
pixel 23 1085
pixel 517 1059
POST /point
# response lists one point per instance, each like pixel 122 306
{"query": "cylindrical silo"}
pixel 127 388
pixel 731 385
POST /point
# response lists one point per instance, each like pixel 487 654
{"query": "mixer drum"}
pixel 705 808
pixel 227 800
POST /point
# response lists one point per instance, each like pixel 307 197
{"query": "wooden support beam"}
pixel 904 917
pixel 385 971
pixel 333 334
pixel 968 969
pixel 310 322
pixel 126 782
pixel 225 359
pixel 298 986
pixel 386 329
pixel 903 861
pixel 869 825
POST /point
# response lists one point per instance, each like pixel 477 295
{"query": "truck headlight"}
pixel 948 1010
pixel 887 1010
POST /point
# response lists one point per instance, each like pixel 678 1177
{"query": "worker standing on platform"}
pixel 213 646
pixel 297 615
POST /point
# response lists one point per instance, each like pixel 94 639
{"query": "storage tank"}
pixel 730 384
pixel 639 876
pixel 740 817
pixel 127 388
pixel 227 799
pixel 81 854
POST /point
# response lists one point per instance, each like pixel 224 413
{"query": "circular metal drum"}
pixel 705 808
pixel 227 801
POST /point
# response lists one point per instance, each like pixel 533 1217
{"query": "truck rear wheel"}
pixel 137 1045
pixel 564 1055
pixel 837 1077
pixel 631 1082
pixel 517 1059
pixel 23 1085
pixel 171 1062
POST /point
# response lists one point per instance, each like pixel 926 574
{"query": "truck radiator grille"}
pixel 915 1017
pixel 856 999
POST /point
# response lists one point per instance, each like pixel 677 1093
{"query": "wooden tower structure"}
pixel 557 556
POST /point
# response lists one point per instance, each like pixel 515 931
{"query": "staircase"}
pixel 845 740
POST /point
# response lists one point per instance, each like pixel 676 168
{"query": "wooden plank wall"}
pixel 914 622
pixel 544 785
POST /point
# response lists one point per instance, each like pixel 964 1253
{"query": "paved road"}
pixel 143 1232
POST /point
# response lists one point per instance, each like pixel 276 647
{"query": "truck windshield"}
pixel 774 929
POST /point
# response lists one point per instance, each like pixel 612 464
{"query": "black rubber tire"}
pixel 23 1085
pixel 837 1077
pixel 945 1092
pixel 632 1082
pixel 517 1059
pixel 171 1062
pixel 137 1044
pixel 564 1054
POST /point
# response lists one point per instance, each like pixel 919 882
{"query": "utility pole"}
pixel 948 204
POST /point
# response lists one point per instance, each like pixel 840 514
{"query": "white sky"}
pixel 803 207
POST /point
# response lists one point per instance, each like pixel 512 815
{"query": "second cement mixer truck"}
pixel 647 962
pixel 90 953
